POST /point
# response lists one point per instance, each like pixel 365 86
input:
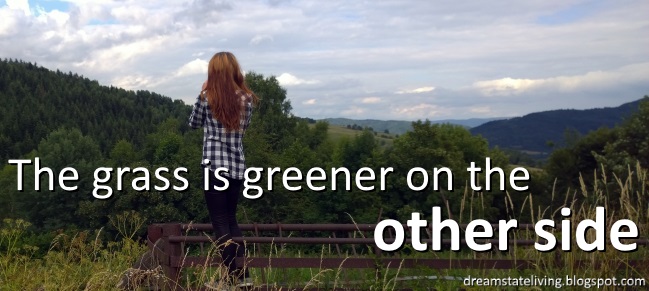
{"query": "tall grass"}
pixel 84 261
pixel 73 262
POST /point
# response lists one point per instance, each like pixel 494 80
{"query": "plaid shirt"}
pixel 222 148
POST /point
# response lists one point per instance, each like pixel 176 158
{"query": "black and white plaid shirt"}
pixel 222 148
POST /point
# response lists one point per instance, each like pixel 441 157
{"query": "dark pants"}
pixel 222 207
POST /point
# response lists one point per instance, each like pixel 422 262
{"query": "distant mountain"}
pixel 532 132
pixel 470 123
pixel 401 126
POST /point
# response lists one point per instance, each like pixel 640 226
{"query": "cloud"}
pixel 342 53
pixel 371 100
pixel 22 5
pixel 288 80
pixel 505 86
pixel 423 110
pixel 195 67
pixel 591 80
pixel 416 91
pixel 480 109
pixel 309 102
pixel 203 12
pixel 258 39
pixel 354 111
pixel 8 22
pixel 132 82
pixel 119 56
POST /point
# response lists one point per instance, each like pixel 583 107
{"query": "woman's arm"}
pixel 199 112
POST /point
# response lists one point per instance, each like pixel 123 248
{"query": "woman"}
pixel 223 109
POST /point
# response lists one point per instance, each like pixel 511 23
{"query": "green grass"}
pixel 79 262
pixel 337 133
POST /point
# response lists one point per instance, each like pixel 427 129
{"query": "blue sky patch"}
pixel 573 13
pixel 49 5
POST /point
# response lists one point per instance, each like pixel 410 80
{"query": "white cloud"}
pixel 56 16
pixel 505 86
pixel 309 102
pixel 416 91
pixel 8 22
pixel 288 80
pixel 195 67
pixel 258 39
pixel 371 100
pixel 424 110
pixel 591 80
pixel 132 82
pixel 19 5
pixel 123 55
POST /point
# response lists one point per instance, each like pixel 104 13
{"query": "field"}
pixel 337 133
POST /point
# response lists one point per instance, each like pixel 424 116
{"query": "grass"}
pixel 79 262
pixel 85 262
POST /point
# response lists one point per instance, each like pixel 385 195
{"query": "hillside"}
pixel 533 132
pixel 36 101
pixel 401 126
pixel 336 132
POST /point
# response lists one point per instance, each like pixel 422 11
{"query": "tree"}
pixel 634 136
pixel 58 209
pixel 431 146
pixel 612 150
pixel 273 115
pixel 123 153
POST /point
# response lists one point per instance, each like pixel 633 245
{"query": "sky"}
pixel 389 60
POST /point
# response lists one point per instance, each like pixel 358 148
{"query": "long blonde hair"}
pixel 225 87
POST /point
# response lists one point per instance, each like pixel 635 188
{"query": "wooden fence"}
pixel 169 244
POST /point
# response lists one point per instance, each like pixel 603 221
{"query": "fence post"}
pixel 171 251
pixel 258 247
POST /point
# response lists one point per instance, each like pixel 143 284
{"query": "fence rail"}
pixel 168 242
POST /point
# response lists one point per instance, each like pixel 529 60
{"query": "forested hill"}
pixel 401 126
pixel 535 132
pixel 36 101
pixel 70 121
